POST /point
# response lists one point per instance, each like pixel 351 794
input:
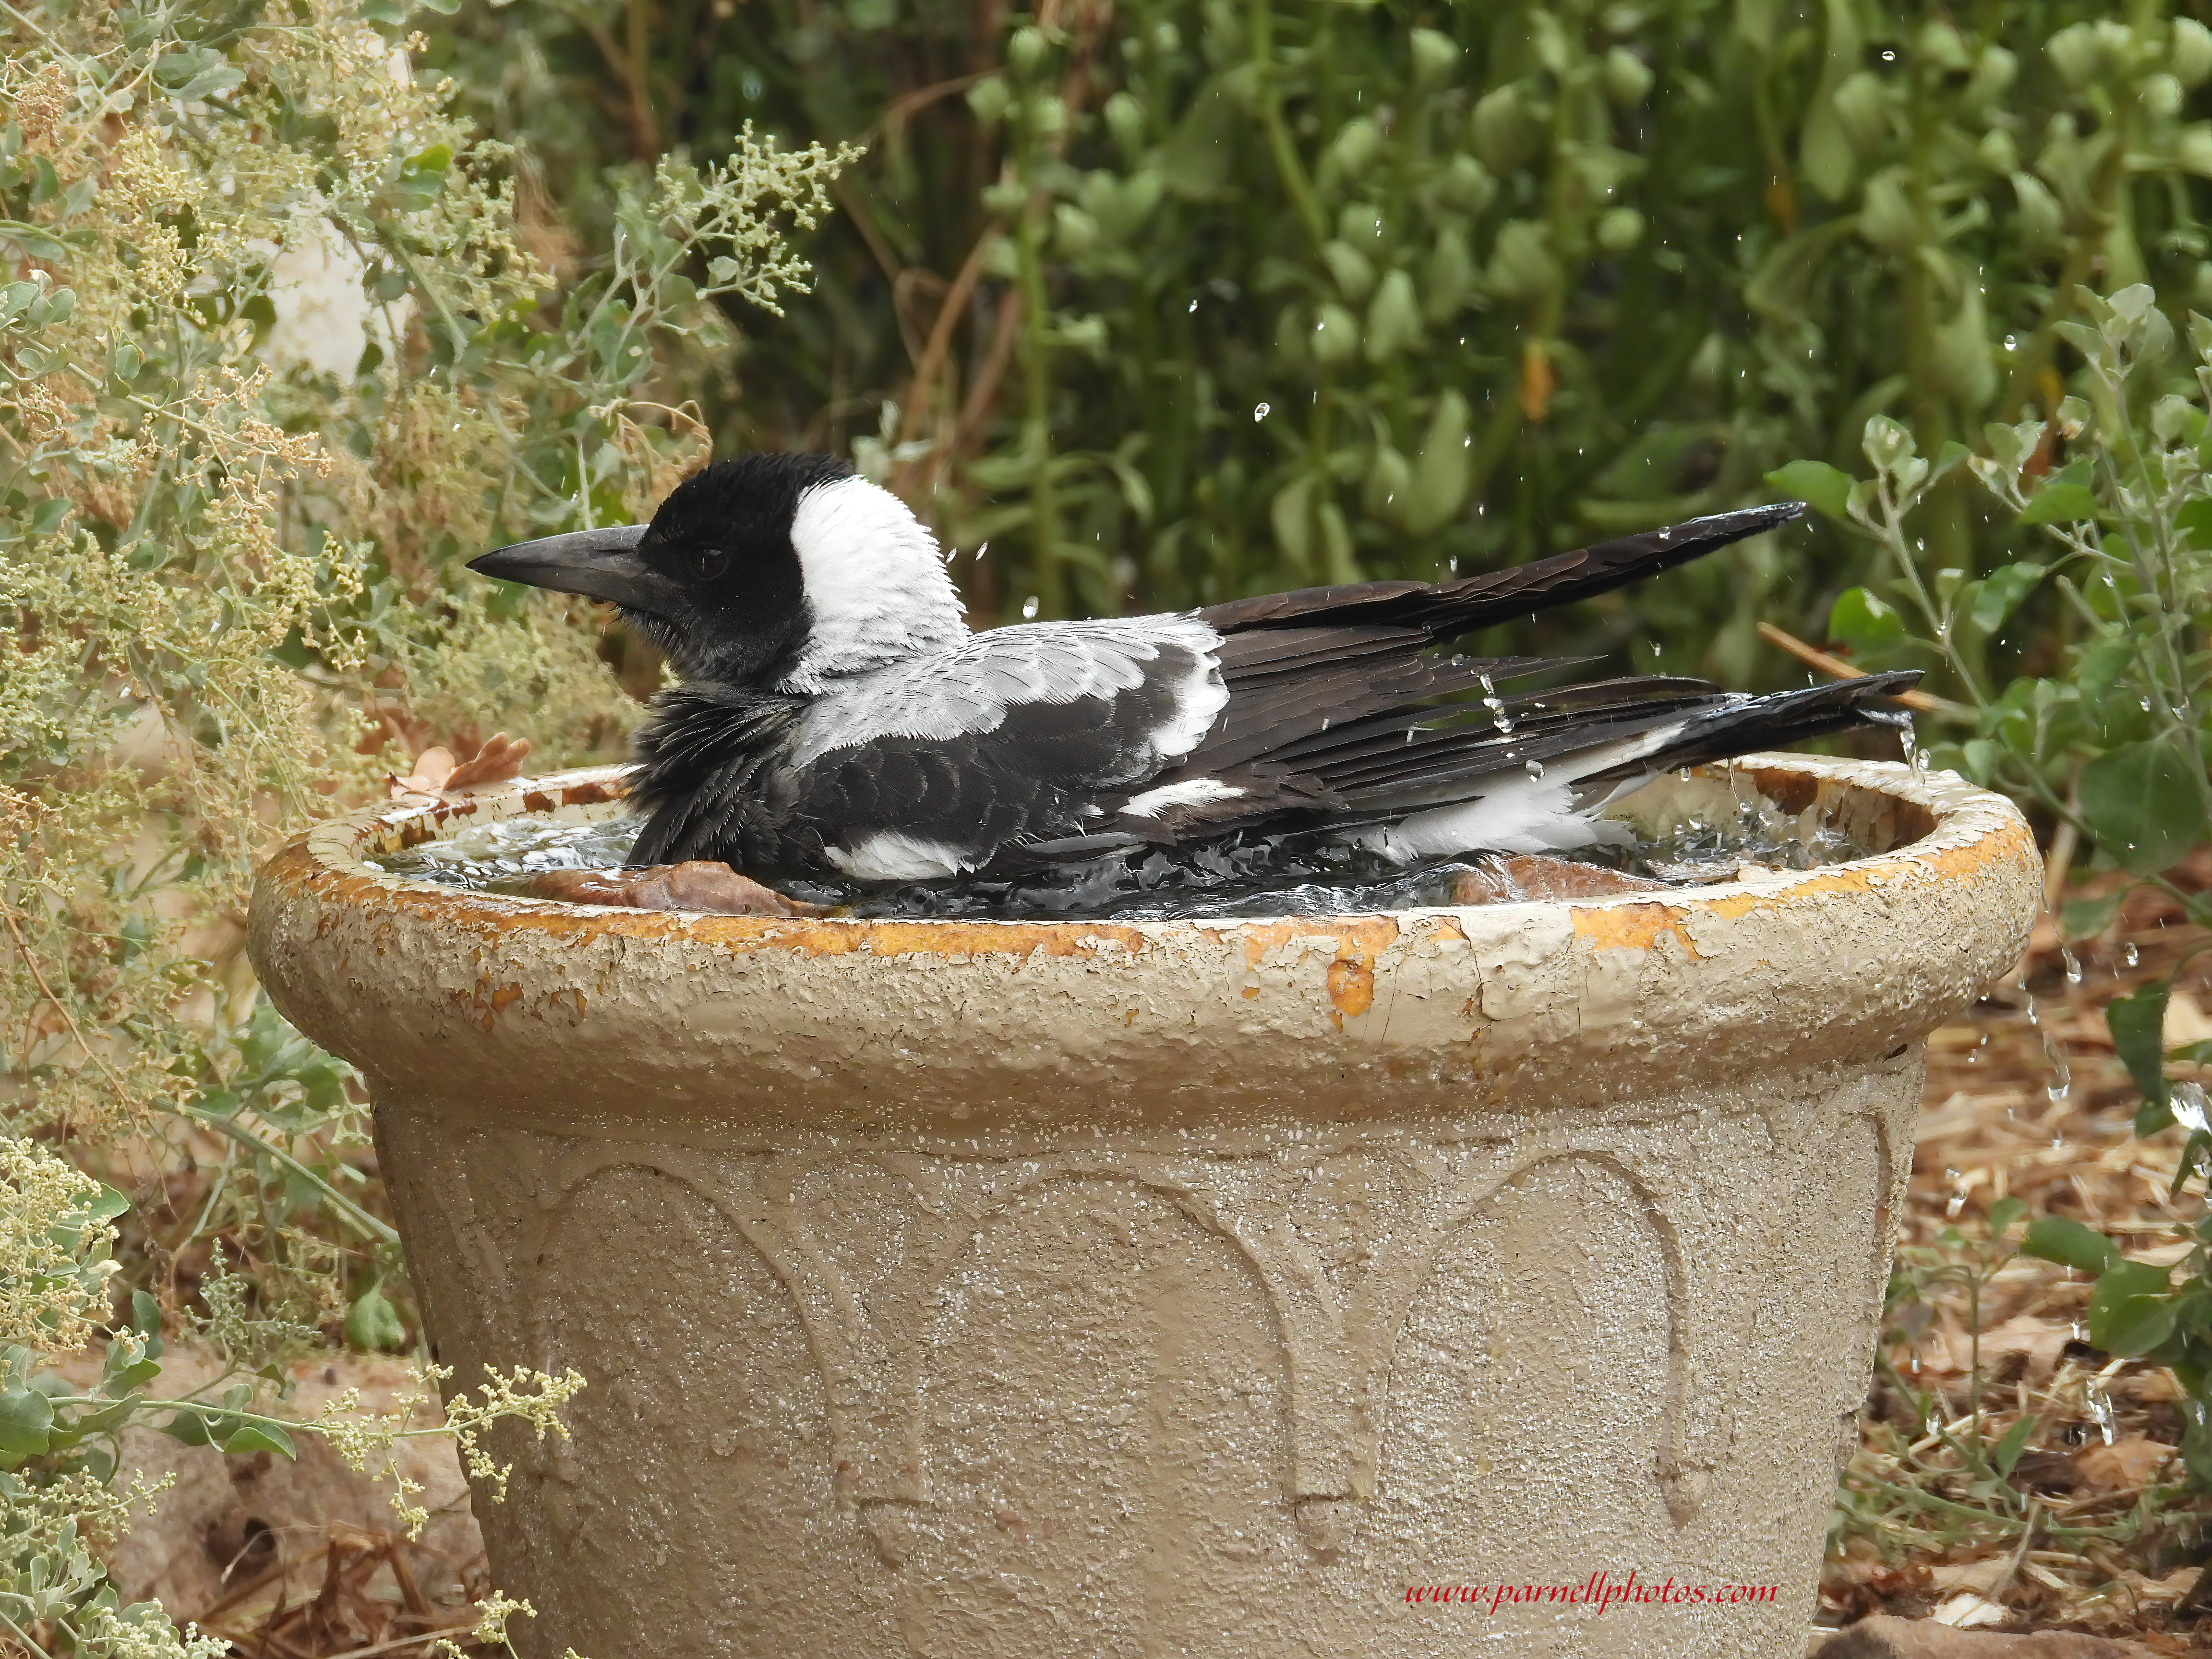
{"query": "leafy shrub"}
pixel 2111 740
pixel 277 348
pixel 1182 299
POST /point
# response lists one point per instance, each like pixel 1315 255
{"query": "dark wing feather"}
pixel 1035 765
pixel 1339 705
pixel 1030 776
pixel 1446 609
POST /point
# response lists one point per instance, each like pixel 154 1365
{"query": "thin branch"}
pixel 1924 703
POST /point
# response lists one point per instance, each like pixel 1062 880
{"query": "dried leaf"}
pixel 2035 1343
pixel 702 886
pixel 1965 1610
pixel 500 758
pixel 2124 1465
pixel 1981 1577
pixel 1528 876
pixel 433 767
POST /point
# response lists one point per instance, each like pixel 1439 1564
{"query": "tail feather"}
pixel 1775 721
pixel 1447 609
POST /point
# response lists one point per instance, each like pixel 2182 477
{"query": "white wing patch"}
pixel 1191 792
pixel 1524 814
pixel 890 855
pixel 968 688
pixel 877 589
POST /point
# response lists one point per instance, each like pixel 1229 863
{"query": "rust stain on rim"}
pixel 1977 841
pixel 1639 925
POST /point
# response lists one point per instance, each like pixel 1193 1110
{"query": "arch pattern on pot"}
pixel 1337 1326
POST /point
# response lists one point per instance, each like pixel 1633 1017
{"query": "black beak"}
pixel 598 564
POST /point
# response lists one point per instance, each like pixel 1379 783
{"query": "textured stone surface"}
pixel 978 1289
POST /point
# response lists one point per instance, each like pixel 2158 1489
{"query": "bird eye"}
pixel 708 562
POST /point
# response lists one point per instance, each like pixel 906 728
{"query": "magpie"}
pixel 834 716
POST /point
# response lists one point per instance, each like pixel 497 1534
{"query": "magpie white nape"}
pixel 837 716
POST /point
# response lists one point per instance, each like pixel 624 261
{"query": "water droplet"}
pixel 1260 411
pixel 1030 608
pixel 2100 1409
pixel 981 551
pixel 2129 955
pixel 1535 769
pixel 2188 1107
pixel 1193 305
pixel 2072 964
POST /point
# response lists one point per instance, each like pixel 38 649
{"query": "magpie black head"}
pixel 766 570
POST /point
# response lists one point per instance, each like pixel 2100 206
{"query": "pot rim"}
pixel 1937 824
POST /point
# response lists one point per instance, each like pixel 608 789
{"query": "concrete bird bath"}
pixel 977 1289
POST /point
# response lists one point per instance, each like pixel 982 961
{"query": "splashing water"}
pixel 2100 1410
pixel 1688 838
pixel 2189 1108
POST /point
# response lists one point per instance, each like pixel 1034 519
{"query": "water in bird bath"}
pixel 1682 833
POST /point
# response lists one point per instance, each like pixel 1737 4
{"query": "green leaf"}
pixel 2000 595
pixel 372 1323
pixel 2195 519
pixel 1860 619
pixel 1826 488
pixel 107 1417
pixel 2145 805
pixel 2003 1213
pixel 2061 503
pixel 187 1426
pixel 217 77
pixel 2138 1024
pixel 26 1422
pixel 2008 1450
pixel 108 1205
pixel 143 1371
pixel 265 1436
pixel 2062 494
pixel 2055 1238
pixel 2086 918
pixel 2130 1311
pixel 33 241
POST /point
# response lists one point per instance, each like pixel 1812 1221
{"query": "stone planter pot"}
pixel 998 1288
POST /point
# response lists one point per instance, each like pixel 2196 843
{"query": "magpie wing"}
pixel 930 766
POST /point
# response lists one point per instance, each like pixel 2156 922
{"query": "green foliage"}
pixel 1183 298
pixel 2110 736
pixel 1943 1479
pixel 2111 740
